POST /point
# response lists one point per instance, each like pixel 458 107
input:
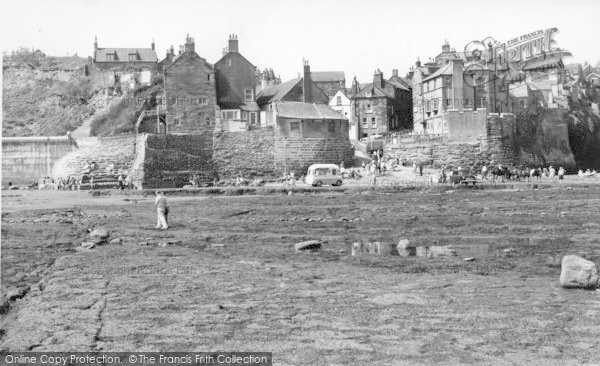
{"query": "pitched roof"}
pixel 399 84
pixel 122 54
pixel 406 82
pixel 327 76
pixel 307 111
pixel 376 92
pixel 446 70
pixel 278 91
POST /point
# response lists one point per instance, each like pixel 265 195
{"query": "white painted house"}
pixel 342 104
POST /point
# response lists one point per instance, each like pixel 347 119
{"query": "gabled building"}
pixel 301 89
pixel 341 103
pixel 236 85
pixel 190 96
pixel 329 81
pixel 125 59
pixel 381 106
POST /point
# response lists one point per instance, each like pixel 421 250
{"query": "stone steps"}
pixel 118 151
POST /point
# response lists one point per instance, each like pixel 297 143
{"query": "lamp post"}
pixel 493 94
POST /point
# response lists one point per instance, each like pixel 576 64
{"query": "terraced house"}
pixel 381 106
pixel 236 85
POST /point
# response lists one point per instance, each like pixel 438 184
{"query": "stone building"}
pixel 309 133
pixel 381 106
pixel 236 85
pixel 128 66
pixel 329 81
pixel 190 96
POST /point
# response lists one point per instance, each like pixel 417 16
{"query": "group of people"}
pixel 587 174
pixel 494 172
pixel 63 184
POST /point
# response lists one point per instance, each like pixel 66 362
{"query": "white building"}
pixel 342 104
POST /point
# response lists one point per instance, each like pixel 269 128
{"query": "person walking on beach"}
pixel 162 210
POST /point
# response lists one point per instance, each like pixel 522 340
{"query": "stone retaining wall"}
pixel 26 159
pixel 249 153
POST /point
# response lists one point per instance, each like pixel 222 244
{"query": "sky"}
pixel 353 36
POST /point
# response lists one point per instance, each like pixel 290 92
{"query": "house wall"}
pixel 378 110
pixel 26 159
pixel 188 79
pixel 233 80
pixel 466 124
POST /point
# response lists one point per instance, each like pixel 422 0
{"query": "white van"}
pixel 319 174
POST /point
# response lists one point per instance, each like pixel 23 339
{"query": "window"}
pixel 177 122
pixel 338 100
pixel 208 77
pixel 229 115
pixel 253 119
pixel 132 57
pixel 435 104
pixel 369 94
pixel 522 103
pixel 294 126
pixel 331 127
pixel 448 102
pixel 369 108
pixel 244 116
pixel 373 122
pixel 466 102
pixel 203 101
pixel 110 57
pixel 228 62
pixel 365 124
pixel 208 121
pixel 248 95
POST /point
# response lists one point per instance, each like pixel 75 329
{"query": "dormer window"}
pixel 133 57
pixel 228 62
pixel 110 57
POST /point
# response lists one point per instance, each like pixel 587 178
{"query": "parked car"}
pixel 319 174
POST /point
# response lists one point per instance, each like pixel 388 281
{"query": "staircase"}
pixel 118 151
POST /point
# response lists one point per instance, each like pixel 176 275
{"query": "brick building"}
pixel 381 106
pixel 190 96
pixel 236 84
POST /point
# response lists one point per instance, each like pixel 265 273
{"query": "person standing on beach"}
pixel 162 210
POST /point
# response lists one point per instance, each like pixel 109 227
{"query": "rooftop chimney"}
pixel 172 50
pixel 307 83
pixel 190 46
pixel 378 79
pixel 152 45
pixel 395 72
pixel 233 43
pixel 446 46
pixel 418 63
pixel 95 43
pixel 355 86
